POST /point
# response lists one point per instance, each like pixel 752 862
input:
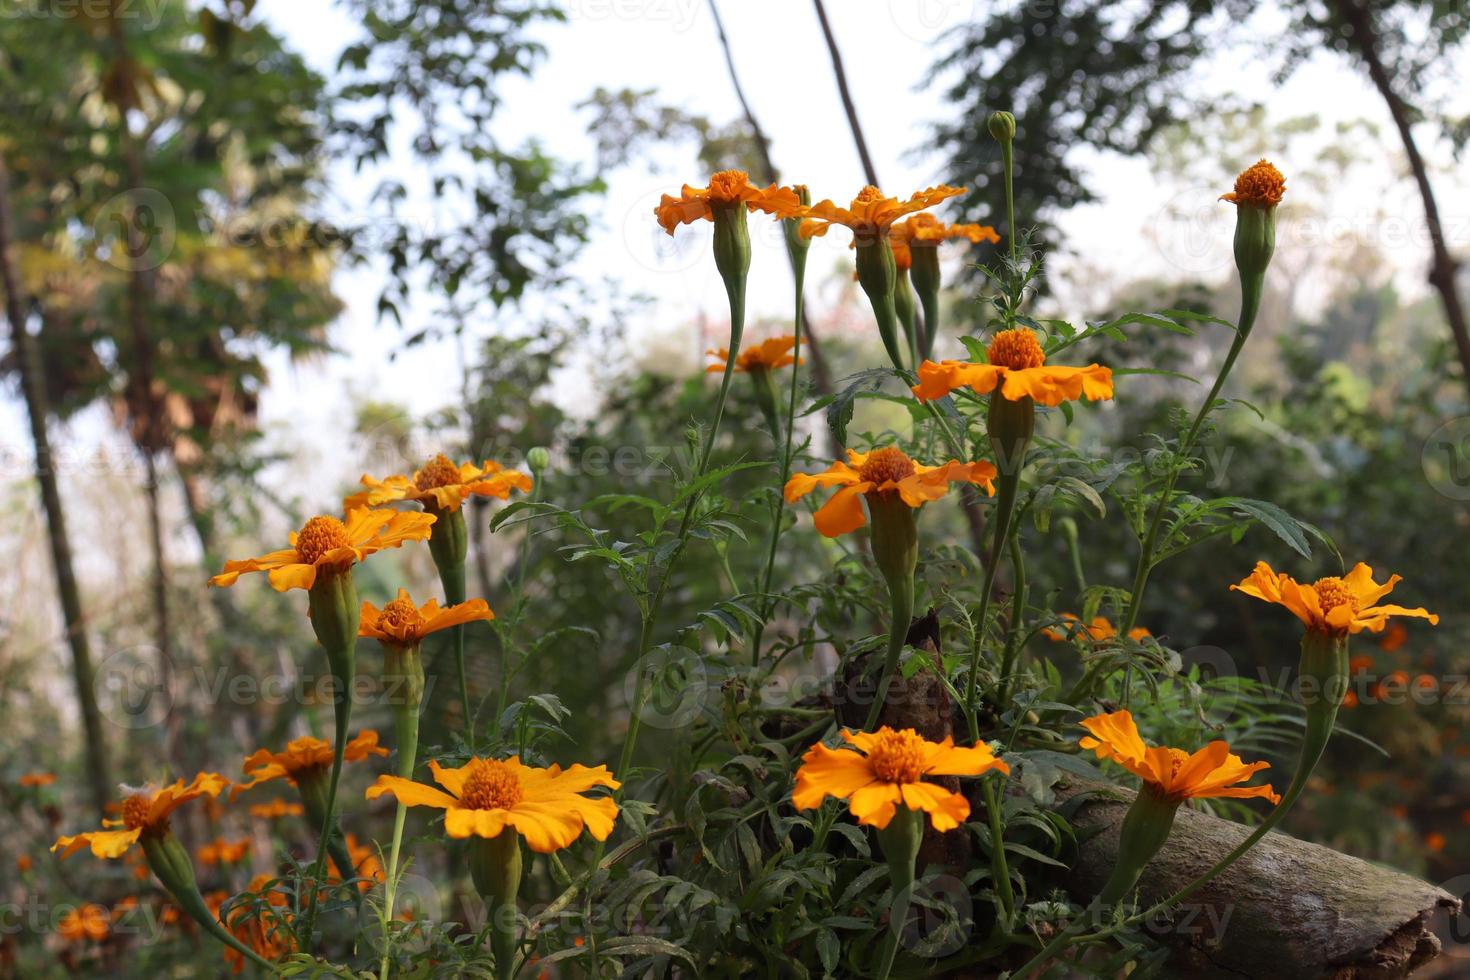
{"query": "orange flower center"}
pixel 1016 349
pixel 135 811
pixel 398 616
pixel 897 757
pixel 885 465
pixel 727 185
pixel 1260 184
pixel 867 195
pixel 490 785
pixel 437 472
pixel 1333 592
pixel 320 535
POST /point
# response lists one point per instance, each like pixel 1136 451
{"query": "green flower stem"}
pixel 999 869
pixel 1250 305
pixel 334 617
pixel 1324 665
pixel 449 546
pixel 495 868
pixel 403 670
pixel 924 274
pixel 900 841
pixel 901 604
pixel 798 270
pixel 903 307
pixel 1018 605
pixel 517 592
pixel 894 540
pixel 170 862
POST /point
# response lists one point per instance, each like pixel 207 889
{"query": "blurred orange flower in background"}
pixel 441 483
pixel 765 356
pixel 303 755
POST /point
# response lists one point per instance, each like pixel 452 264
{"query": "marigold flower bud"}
pixel 538 459
pixel 1002 126
pixel 1145 829
pixel 495 868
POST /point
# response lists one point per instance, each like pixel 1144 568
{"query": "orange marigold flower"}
pixel 870 216
pixel 1017 366
pixel 1394 637
pixel 405 624
pixel 1434 841
pixel 261 930
pixel 1100 629
pixel 887 771
pixel 485 796
pixel 1213 771
pixel 883 471
pixel 145 811
pixel 365 864
pixel 925 229
pixel 326 543
pixel 1337 606
pixel 275 809
pixel 32 780
pixel 221 851
pixel 765 356
pixel 304 755
pixel 87 922
pixel 23 863
pixel 1260 185
pixel 441 483
pixel 726 188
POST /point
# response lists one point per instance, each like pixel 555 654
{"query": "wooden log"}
pixel 1288 908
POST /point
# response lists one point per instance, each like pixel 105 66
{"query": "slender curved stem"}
pixel 901 600
pixel 1005 504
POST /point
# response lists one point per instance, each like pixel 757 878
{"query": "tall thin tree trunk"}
pixel 33 391
pixel 847 104
pixel 1443 271
pixel 821 374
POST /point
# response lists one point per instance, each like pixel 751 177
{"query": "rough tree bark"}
pixel 1288 908
pixel 1443 273
pixel 33 391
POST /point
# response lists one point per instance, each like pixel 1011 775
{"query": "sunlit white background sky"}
pixel 1141 227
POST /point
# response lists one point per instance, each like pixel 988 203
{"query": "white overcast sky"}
pixel 671 45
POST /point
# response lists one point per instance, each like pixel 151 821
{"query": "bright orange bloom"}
pixel 1337 606
pixel 1435 841
pixel 888 771
pixel 728 187
pixel 1175 774
pixel 1394 637
pixel 925 231
pixel 23 863
pixel 145 811
pixel 1259 185
pixel 1099 630
pixel 37 779
pixel 276 808
pixel 765 356
pixel 882 471
pixel 441 483
pixel 488 795
pixel 221 851
pixel 325 543
pixel 302 756
pixel 261 930
pixel 1017 366
pixel 87 922
pixel 403 623
pixel 871 215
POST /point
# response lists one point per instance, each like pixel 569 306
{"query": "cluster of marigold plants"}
pixel 826 777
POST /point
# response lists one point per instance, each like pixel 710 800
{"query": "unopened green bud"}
pixel 1145 829
pixel 1002 126
pixel 538 459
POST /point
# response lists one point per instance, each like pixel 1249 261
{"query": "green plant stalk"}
pixel 334 618
pixel 1324 660
pixel 403 670
pixel 495 868
pixel 1250 305
pixel 312 787
pixel 999 867
pixel 517 590
pixel 449 547
pixel 894 530
pixel 1145 828
pixel 901 606
pixel 924 274
pixel 1018 605
pixel 878 275
pixel 170 862
pixel 900 841
pixel 798 270
pixel 903 308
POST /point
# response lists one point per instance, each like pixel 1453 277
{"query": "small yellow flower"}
pixel 765 356
pixel 403 623
pixel 303 756
pixel 1332 605
pixel 441 483
pixel 1017 367
pixel 1174 774
pixel 888 771
pixel 726 188
pixel 144 811
pixel 881 473
pixel 870 216
pixel 485 796
pixel 325 543
pixel 1260 185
